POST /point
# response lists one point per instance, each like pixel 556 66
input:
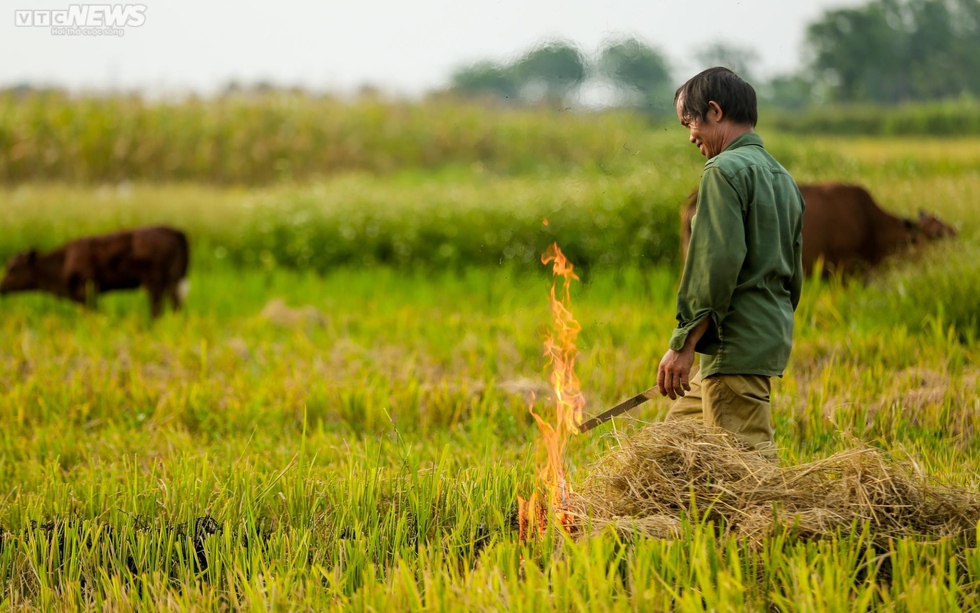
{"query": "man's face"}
pixel 704 133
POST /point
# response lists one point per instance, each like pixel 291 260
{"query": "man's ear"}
pixel 715 109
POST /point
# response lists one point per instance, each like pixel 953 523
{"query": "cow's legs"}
pixel 157 290
pixel 174 294
pixel 83 292
pixel 92 295
pixel 156 303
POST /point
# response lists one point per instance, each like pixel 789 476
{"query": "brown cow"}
pixel 845 228
pixel 155 258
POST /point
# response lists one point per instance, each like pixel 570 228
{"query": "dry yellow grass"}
pixel 673 470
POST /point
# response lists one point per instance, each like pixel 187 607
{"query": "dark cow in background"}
pixel 846 229
pixel 155 258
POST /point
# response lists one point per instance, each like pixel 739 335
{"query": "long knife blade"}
pixel 622 407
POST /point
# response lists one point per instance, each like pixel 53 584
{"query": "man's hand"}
pixel 674 373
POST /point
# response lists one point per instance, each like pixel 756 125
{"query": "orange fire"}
pixel 560 350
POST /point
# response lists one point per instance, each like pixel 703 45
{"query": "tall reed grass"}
pixel 289 137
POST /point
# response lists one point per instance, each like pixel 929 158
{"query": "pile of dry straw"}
pixel 650 481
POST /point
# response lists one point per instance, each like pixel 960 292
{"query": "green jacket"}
pixel 744 265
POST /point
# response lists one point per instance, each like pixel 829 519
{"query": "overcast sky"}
pixel 400 46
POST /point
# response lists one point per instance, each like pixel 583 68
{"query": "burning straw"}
pixel 658 475
pixel 560 350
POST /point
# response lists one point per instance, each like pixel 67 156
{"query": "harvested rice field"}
pixel 341 416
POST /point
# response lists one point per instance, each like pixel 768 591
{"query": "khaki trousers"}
pixel 736 403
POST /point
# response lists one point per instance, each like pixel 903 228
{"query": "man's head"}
pixel 716 106
pixel 20 273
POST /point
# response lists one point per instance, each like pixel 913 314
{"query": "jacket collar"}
pixel 749 138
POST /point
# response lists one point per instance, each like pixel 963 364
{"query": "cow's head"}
pixel 21 273
pixel 933 228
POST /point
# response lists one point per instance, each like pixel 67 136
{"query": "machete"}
pixel 622 407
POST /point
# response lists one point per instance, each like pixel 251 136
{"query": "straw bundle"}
pixel 669 470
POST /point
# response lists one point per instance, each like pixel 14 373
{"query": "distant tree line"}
pixel 887 51
pixel 897 50
pixel 636 72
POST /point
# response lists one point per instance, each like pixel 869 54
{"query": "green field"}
pixel 339 418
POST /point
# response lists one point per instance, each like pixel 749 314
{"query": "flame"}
pixel 560 349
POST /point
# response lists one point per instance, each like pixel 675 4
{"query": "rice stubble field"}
pixel 339 418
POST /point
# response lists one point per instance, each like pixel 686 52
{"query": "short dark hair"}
pixel 732 93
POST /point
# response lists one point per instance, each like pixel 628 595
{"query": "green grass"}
pixel 364 450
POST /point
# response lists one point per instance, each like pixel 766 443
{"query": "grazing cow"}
pixel 155 258
pixel 845 228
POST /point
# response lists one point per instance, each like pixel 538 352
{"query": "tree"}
pixel 966 52
pixel 860 53
pixel 550 72
pixel 734 57
pixel 486 79
pixel 895 50
pixel 944 43
pixel 789 91
pixel 640 73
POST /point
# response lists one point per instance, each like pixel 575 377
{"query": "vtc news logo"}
pixel 84 19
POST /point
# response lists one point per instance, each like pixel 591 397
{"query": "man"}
pixel 744 270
